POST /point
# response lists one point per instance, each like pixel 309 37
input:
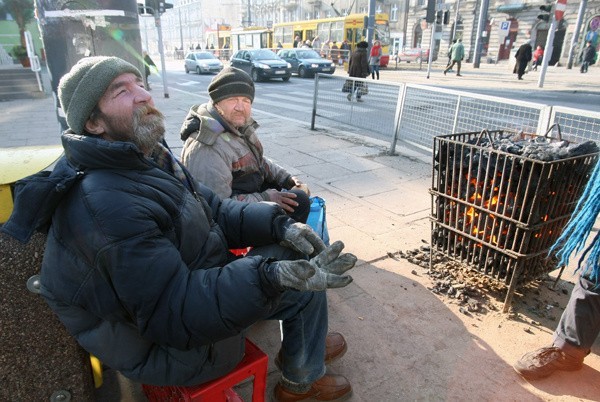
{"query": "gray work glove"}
pixel 302 238
pixel 320 273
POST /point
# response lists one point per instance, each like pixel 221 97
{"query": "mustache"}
pixel 148 110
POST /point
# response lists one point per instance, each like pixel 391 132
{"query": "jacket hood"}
pixel 37 196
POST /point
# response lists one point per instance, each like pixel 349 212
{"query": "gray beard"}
pixel 146 134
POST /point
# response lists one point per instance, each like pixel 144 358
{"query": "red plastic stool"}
pixel 254 364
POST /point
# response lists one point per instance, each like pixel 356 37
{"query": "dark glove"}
pixel 320 273
pixel 300 237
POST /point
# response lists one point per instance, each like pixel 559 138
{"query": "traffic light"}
pixel 149 6
pixel 546 16
pixel 163 5
pixel 438 17
pixel 430 16
pixel 446 17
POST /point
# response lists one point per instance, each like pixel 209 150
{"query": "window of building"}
pixel 394 12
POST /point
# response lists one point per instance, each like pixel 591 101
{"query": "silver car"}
pixel 202 62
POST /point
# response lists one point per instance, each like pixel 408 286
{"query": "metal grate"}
pixel 498 212
pixel 373 117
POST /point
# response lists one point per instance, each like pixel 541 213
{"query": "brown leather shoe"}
pixel 330 387
pixel 335 348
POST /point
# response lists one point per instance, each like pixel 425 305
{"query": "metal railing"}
pixel 418 113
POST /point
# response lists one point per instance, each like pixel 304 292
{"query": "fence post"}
pixel 398 118
pixel 455 122
pixel 314 108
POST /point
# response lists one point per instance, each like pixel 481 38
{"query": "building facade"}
pixel 190 22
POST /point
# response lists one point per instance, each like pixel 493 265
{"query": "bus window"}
pixel 287 35
pixel 323 31
pixel 278 34
pixel 337 31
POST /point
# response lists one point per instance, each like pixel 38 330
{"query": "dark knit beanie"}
pixel 362 45
pixel 80 89
pixel 231 82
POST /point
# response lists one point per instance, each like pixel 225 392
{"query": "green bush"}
pixel 18 52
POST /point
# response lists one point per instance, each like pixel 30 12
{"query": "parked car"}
pixel 202 62
pixel 306 62
pixel 261 64
pixel 416 54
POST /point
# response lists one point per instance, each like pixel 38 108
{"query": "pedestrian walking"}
pixel 359 67
pixel 375 59
pixel 589 57
pixel 345 50
pixel 335 53
pixel 457 51
pixel 523 56
pixel 537 58
pixel 148 66
pixel 450 55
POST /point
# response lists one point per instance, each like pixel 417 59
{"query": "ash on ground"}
pixel 454 282
pixel 477 294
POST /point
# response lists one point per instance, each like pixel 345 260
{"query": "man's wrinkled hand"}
pixel 284 199
pixel 322 272
pixel 300 237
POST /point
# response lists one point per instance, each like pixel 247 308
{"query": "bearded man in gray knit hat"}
pixel 136 264
pixel 222 149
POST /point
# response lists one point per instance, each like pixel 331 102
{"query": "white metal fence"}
pixel 418 113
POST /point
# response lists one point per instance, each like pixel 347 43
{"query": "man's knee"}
pixel 301 212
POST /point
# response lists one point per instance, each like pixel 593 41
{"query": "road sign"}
pixel 503 29
pixel 559 10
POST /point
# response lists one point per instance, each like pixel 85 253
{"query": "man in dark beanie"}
pixel 223 152
pixel 136 264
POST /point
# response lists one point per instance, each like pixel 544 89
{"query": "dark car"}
pixel 261 64
pixel 306 62
pixel 202 62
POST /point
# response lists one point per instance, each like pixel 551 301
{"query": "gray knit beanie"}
pixel 80 89
pixel 231 82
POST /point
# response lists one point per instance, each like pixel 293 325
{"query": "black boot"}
pixel 377 74
pixel 372 76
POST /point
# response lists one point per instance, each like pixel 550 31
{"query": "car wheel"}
pixel 286 79
pixel 302 72
pixel 198 70
pixel 254 75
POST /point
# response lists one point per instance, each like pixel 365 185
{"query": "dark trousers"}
pixel 584 66
pixel 457 62
pixel 579 324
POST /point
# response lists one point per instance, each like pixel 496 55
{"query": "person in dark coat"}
pixel 523 56
pixel 136 264
pixel 148 65
pixel 358 66
pixel 589 57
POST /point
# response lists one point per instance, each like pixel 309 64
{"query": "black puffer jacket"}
pixel 136 266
